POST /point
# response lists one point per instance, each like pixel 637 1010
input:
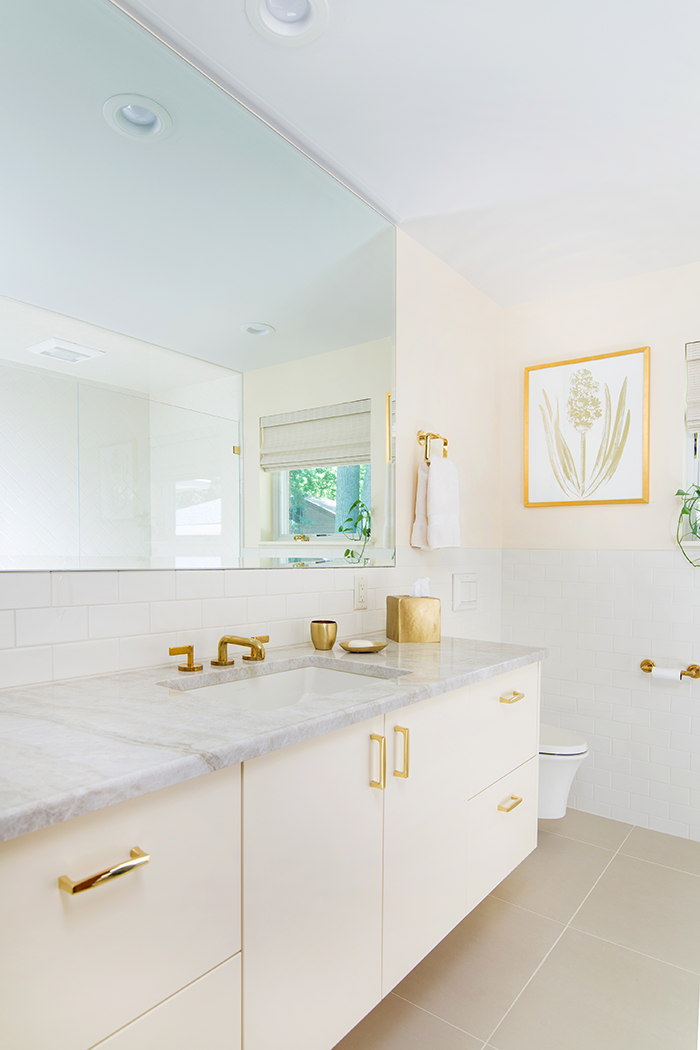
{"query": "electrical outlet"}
pixel 360 592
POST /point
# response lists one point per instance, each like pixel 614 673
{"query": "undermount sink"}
pixel 286 688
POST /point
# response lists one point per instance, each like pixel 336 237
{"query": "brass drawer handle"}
pixel 138 859
pixel 510 806
pixel 511 699
pixel 406 751
pixel 381 783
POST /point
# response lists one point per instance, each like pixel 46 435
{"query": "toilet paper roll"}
pixel 671 674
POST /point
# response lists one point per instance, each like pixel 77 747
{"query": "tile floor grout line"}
pixel 538 968
pixel 635 951
pixel 437 1017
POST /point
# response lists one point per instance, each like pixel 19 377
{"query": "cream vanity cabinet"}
pixel 150 959
pixel 347 887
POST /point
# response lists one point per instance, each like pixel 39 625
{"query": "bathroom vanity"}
pixel 351 832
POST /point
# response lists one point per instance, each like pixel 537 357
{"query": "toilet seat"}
pixel 555 741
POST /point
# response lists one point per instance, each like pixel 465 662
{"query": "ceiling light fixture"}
pixel 137 117
pixel 288 22
pixel 62 350
pixel 257 328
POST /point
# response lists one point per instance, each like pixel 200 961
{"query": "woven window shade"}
pixel 334 435
pixel 692 410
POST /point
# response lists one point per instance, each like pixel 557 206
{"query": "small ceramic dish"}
pixel 373 647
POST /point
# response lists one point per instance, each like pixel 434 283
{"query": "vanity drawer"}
pixel 206 1013
pixel 75 968
pixel 499 839
pixel 502 735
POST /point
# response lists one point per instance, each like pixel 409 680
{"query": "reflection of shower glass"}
pixel 198 507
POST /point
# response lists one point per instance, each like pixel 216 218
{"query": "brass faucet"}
pixel 257 651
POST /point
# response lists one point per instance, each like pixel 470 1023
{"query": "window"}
pixel 320 459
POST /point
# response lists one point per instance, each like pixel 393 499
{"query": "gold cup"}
pixel 323 633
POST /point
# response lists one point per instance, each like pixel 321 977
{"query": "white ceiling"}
pixel 537 147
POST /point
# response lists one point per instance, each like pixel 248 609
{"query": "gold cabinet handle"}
pixel 381 783
pixel 511 699
pixel 138 859
pixel 510 806
pixel 406 751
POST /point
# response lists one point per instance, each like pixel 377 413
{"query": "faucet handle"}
pixel 188 651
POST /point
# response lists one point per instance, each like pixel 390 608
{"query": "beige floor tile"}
pixel 398 1025
pixel 648 908
pixel 474 975
pixel 591 995
pixel 587 827
pixel 555 879
pixel 663 849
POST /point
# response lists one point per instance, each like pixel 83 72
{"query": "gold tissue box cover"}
pixel 412 619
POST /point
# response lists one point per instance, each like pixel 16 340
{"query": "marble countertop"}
pixel 72 747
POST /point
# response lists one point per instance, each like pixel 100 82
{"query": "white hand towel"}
pixel 419 535
pixel 443 504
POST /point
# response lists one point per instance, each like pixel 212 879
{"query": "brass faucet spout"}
pixel 257 650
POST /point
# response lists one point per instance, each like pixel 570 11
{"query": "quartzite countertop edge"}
pixel 76 746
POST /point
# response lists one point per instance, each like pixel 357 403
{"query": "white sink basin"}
pixel 286 688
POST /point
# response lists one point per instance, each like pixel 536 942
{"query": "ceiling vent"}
pixel 62 350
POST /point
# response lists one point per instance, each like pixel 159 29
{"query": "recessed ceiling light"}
pixel 62 350
pixel 257 328
pixel 288 22
pixel 138 117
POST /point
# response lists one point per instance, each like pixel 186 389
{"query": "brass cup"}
pixel 323 633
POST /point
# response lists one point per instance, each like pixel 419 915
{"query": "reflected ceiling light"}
pixel 288 10
pixel 62 350
pixel 257 328
pixel 138 117
pixel 288 22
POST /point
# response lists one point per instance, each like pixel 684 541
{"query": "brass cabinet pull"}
pixel 510 806
pixel 381 783
pixel 406 751
pixel 511 699
pixel 138 859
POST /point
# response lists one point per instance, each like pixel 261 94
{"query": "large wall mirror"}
pixel 196 321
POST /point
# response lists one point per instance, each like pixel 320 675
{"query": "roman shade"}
pixel 692 397
pixel 333 435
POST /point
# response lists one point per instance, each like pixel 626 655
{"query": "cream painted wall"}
pixel 449 340
pixel 660 310
pixel 350 374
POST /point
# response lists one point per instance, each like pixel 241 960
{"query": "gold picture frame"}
pixel 607 406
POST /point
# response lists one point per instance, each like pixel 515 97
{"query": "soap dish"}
pixel 373 647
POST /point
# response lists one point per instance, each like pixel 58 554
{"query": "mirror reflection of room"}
pixel 175 267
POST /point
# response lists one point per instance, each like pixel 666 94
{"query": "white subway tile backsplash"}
pixel 199 583
pixel 115 621
pixel 224 612
pixel 25 666
pixel 147 585
pixel 7 629
pixel 241 583
pixel 265 608
pixel 46 626
pixel 76 659
pixel 84 588
pixel 175 616
pixel 146 651
pixel 25 590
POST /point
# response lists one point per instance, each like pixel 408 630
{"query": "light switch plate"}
pixel 463 591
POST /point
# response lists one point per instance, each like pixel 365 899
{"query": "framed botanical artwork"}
pixel 587 430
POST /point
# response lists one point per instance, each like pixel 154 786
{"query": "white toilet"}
pixel 561 753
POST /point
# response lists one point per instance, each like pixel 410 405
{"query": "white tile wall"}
pixel 600 613
pixel 67 624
